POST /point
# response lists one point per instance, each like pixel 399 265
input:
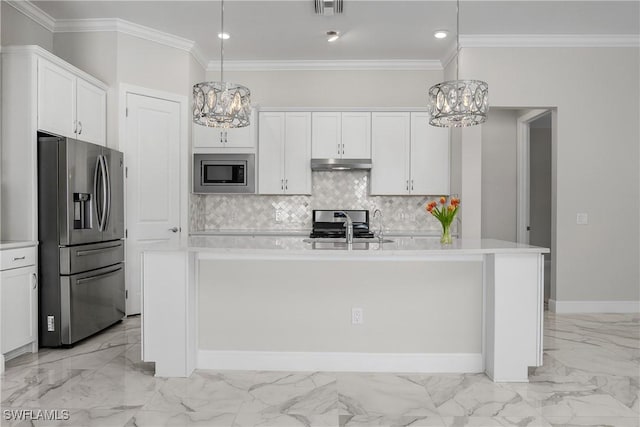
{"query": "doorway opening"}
pixel 535 191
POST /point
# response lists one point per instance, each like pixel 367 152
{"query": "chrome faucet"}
pixel 380 226
pixel 349 228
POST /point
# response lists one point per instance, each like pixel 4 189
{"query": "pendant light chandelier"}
pixel 458 103
pixel 221 104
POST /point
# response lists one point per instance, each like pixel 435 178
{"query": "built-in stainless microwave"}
pixel 224 173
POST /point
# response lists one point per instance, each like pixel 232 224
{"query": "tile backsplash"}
pixel 331 190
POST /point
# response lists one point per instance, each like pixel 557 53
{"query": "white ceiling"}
pixel 372 30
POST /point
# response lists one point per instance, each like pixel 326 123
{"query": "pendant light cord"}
pixel 222 41
pixel 457 37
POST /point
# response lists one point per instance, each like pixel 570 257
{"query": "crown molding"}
pixel 32 11
pixel 199 56
pixel 125 27
pixel 132 29
pixel 315 65
pixel 550 40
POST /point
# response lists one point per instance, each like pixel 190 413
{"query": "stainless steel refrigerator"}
pixel 81 231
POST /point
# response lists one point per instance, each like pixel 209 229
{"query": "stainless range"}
pixel 334 224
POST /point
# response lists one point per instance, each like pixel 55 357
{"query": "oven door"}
pixel 224 173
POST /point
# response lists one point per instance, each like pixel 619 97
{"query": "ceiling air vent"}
pixel 328 7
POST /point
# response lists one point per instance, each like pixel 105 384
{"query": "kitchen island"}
pixel 279 303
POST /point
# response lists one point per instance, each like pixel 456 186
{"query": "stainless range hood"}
pixel 340 164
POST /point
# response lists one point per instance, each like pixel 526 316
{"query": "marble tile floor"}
pixel 590 377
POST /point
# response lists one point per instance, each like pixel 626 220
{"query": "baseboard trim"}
pixel 341 362
pixel 568 307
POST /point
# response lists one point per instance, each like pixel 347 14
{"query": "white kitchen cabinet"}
pixel 284 153
pixel 69 105
pixel 429 157
pixel 19 301
pixel 91 113
pixel 40 92
pixel 409 156
pixel 225 140
pixel 390 151
pixel 56 99
pixel 345 135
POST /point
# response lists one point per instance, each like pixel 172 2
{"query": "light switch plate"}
pixel 582 218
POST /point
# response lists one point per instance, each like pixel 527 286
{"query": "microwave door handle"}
pixel 96 203
pixel 107 180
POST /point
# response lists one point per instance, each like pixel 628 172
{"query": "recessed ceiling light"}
pixel 332 36
pixel 223 36
pixel 441 34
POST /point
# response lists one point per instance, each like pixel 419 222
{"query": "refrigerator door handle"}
pixel 107 181
pixel 105 194
pixel 96 203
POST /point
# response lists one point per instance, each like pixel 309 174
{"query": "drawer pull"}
pixel 98 277
pixel 19 258
pixel 97 251
pixel 34 279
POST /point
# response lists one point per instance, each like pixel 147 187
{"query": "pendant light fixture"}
pixel 458 103
pixel 221 104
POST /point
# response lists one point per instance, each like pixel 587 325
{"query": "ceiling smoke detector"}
pixel 328 7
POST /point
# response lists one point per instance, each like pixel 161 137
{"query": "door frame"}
pixel 125 89
pixel 523 175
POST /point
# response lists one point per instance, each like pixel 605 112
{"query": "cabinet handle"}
pixel 80 131
pixel 75 126
pixel 342 148
pixel 407 184
pixel 19 258
pixel 225 137
pixel 339 149
pixel 282 184
pixel 221 139
pixel 34 280
pixel 286 184
pixel 411 185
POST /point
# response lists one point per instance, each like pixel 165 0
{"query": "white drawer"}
pixel 16 258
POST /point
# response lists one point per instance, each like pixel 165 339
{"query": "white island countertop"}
pixel 299 245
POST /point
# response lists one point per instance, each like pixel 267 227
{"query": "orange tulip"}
pixel 443 200
pixel 429 208
pixel 450 208
pixel 454 201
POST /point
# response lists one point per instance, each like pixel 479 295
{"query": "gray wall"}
pixel 117 58
pixel 335 88
pixel 540 185
pixel 17 29
pixel 596 162
pixel 499 198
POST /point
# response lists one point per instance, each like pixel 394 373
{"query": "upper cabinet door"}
pixel 242 137
pixel 271 153
pixel 245 138
pixel 297 153
pixel 91 113
pixel 326 140
pixel 390 141
pixel 206 137
pixel 356 135
pixel 56 99
pixel 429 157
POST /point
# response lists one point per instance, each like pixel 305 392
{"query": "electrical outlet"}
pixel 357 316
pixel 279 215
pixel 50 324
pixel 582 218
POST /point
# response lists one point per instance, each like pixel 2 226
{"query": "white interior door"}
pixel 152 150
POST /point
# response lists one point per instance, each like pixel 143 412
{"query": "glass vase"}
pixel 446 234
